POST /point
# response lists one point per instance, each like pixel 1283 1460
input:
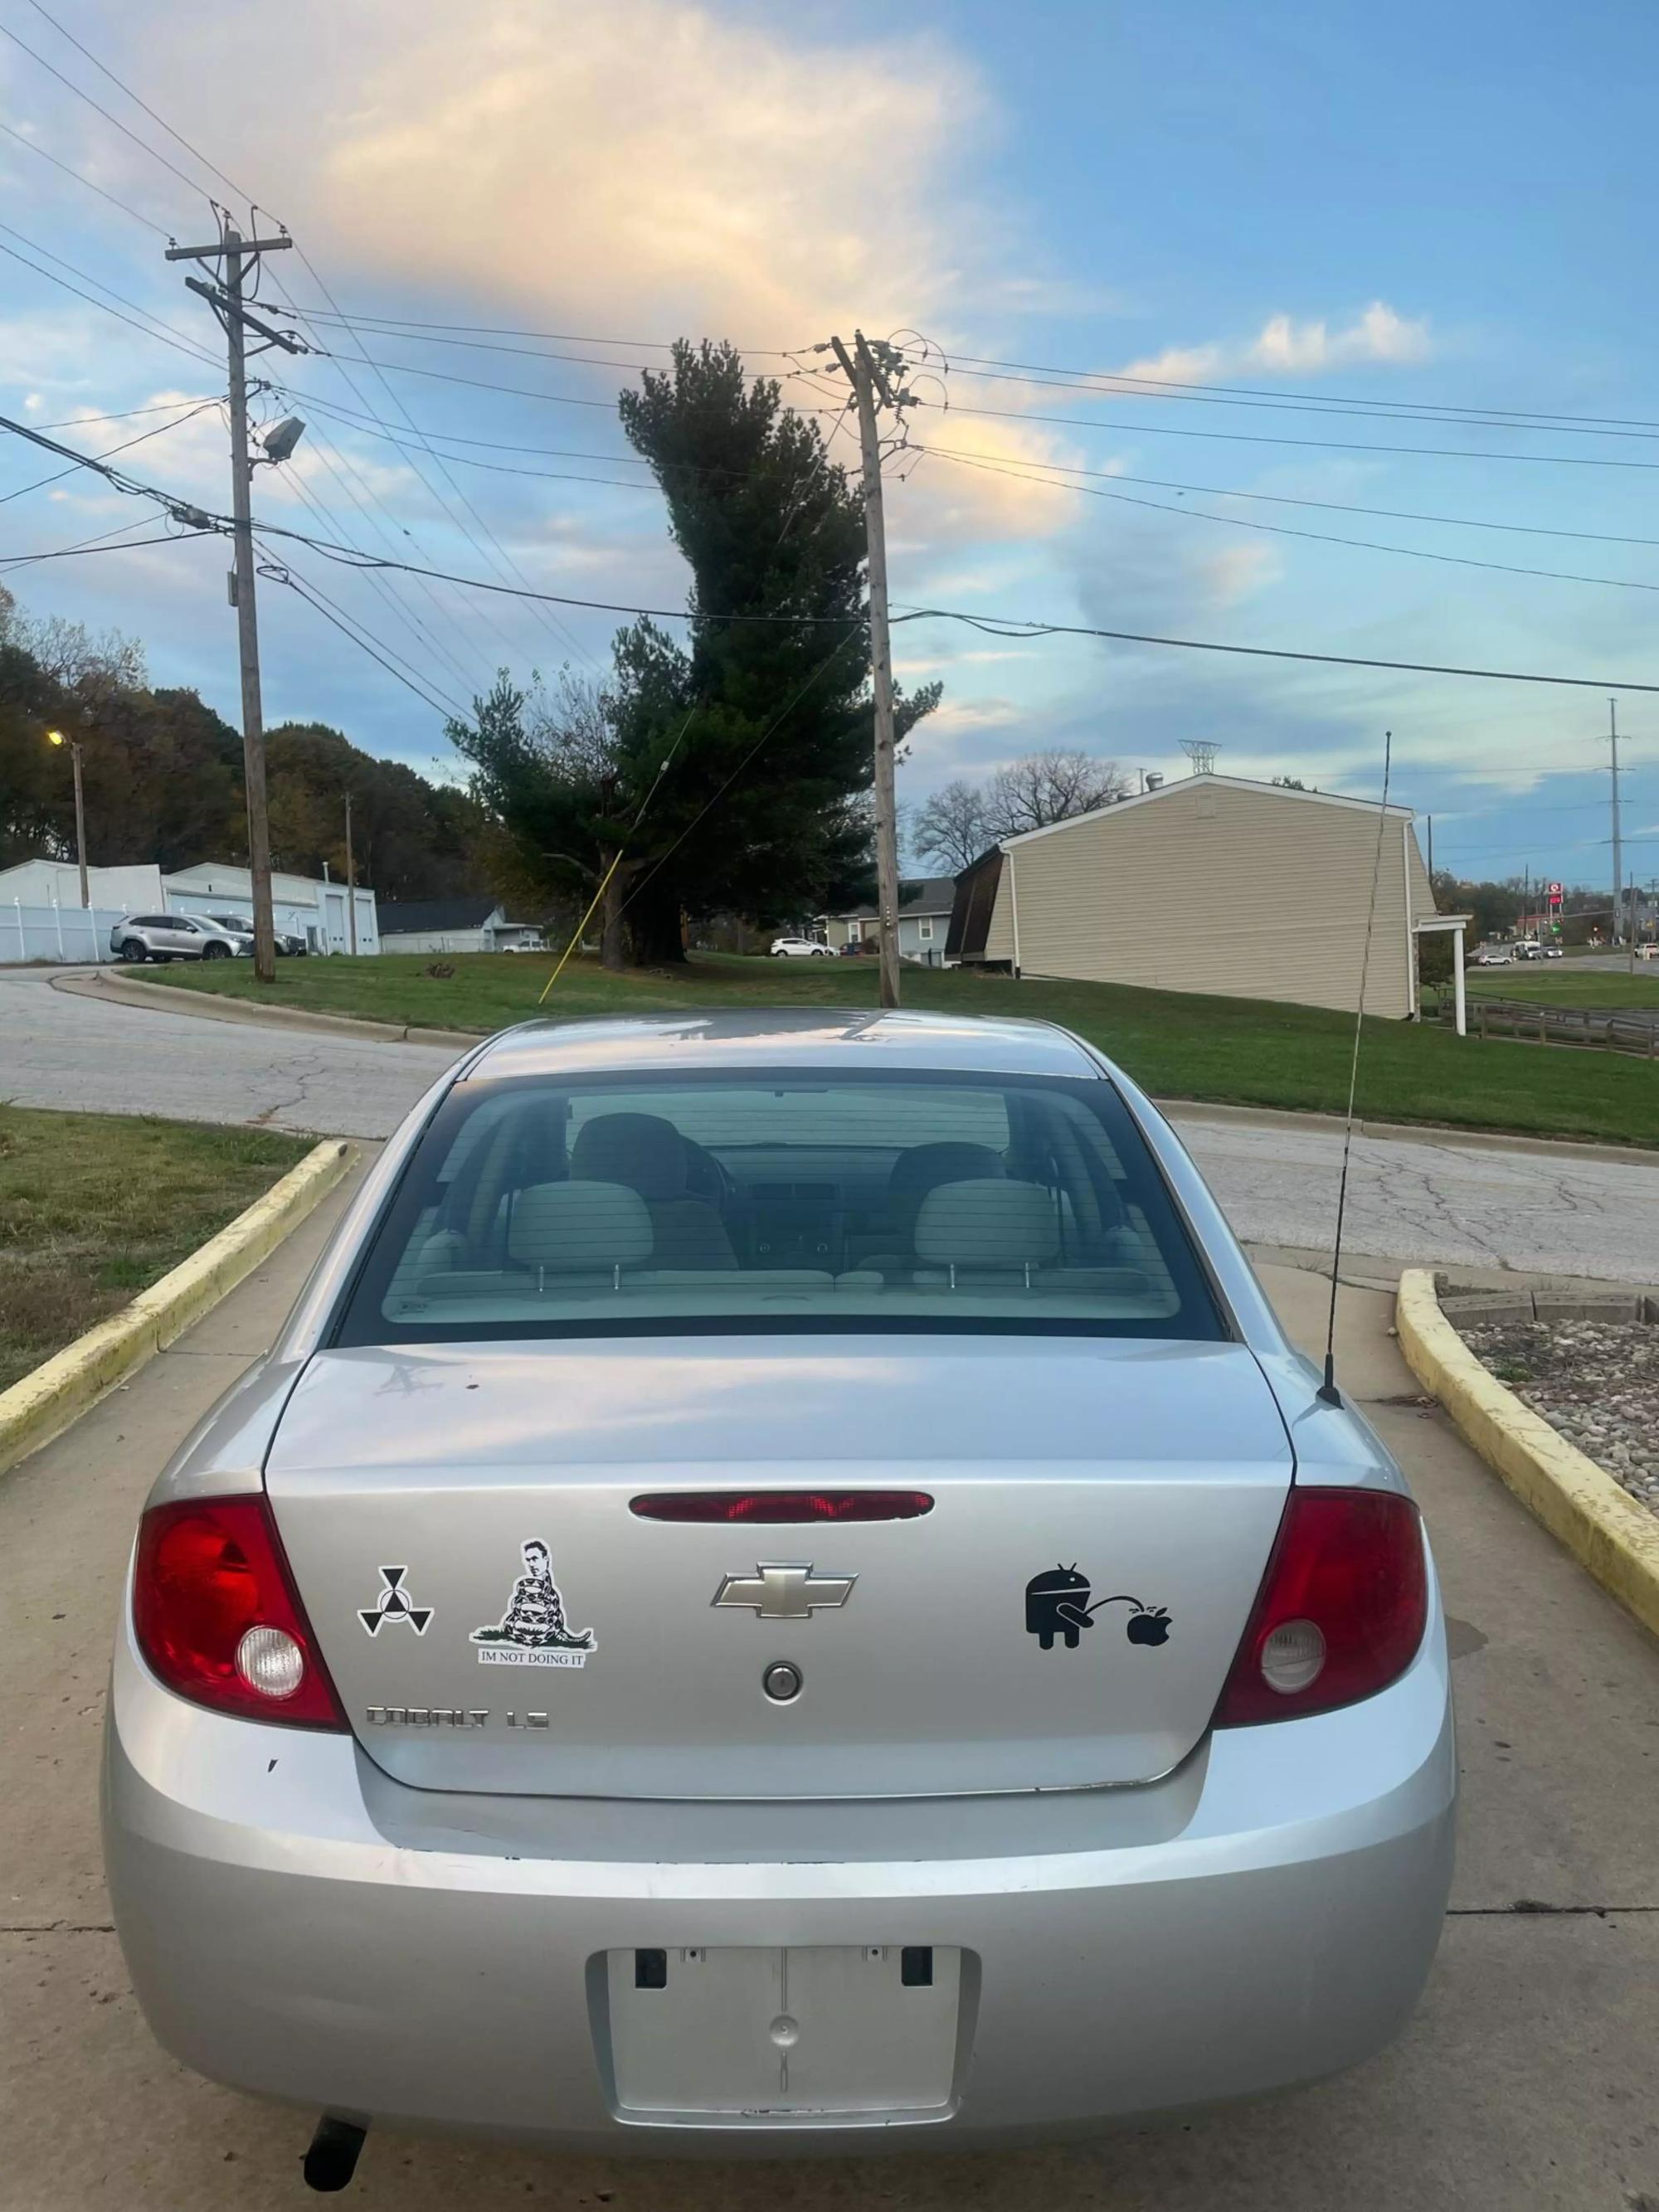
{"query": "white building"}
pixel 455 924
pixel 42 896
pixel 57 883
pixel 318 911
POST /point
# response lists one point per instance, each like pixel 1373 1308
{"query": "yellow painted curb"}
pixel 60 1390
pixel 1579 1503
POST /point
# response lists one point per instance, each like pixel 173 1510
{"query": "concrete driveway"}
pixel 1412 1196
pixel 1525 2084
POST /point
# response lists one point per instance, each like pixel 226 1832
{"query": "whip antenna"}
pixel 1327 1390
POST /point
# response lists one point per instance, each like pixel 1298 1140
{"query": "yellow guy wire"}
pixel 605 883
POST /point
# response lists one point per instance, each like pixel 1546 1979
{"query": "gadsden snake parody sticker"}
pixel 1057 1605
pixel 533 1630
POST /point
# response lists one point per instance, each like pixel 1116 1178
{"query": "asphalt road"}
pixel 1523 2084
pixel 1541 1210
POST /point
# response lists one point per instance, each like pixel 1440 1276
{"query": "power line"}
pixel 1261 438
pixel 195 408
pixel 387 589
pixel 1108 381
pixel 197 156
pixel 127 413
pixel 408 322
pixel 363 496
pixel 560 631
pixel 97 544
pixel 1318 537
pixel 1429 408
pixel 114 202
pixel 1006 626
pixel 394 662
pixel 69 83
pixel 178 137
pixel 165 334
pixel 1330 403
pixel 1285 499
pixel 776 722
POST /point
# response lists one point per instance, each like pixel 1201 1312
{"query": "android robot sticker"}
pixel 1057 1605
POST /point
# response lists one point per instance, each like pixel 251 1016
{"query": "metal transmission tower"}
pixel 1201 754
pixel 869 369
pixel 224 295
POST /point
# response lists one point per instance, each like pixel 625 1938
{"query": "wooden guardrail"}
pixel 1606 1029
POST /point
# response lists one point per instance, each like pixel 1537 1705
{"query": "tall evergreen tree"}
pixel 731 771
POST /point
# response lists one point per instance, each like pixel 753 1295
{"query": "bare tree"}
pixel 951 828
pixel 1051 787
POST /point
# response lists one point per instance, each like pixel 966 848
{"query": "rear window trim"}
pixel 468 1091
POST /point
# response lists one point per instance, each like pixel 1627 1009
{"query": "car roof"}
pixel 840 1038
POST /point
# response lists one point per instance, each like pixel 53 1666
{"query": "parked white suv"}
pixel 141 937
pixel 799 948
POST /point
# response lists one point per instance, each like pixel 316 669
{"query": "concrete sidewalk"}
pixel 1524 2083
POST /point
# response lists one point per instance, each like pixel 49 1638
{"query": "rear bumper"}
pixel 298 1925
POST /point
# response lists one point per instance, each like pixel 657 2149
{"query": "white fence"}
pixel 72 934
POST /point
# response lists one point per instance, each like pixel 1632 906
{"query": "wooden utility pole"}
pixel 1617 834
pixel 868 380
pixel 351 882
pixel 238 254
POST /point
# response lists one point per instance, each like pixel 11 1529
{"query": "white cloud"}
pixel 1284 346
pixel 646 167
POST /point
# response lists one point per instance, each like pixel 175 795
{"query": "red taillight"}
pixel 1341 1611
pixel 218 1619
pixel 759 1506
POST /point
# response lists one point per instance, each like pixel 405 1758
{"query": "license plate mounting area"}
pixel 782 2037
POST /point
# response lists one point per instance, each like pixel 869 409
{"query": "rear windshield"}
pixel 788 1199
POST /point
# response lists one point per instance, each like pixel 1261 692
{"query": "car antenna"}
pixel 1327 1390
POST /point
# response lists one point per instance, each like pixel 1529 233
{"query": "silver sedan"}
pixel 781 1585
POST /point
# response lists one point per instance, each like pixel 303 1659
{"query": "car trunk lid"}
pixel 498 1617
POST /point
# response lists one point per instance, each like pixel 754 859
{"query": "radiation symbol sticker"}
pixel 394 1604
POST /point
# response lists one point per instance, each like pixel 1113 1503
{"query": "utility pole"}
pixel 1618 836
pixel 57 737
pixel 351 883
pixel 225 298
pixel 1430 818
pixel 867 378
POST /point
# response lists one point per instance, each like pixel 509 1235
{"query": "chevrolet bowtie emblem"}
pixel 788 1593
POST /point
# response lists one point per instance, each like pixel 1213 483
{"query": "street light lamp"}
pixel 56 738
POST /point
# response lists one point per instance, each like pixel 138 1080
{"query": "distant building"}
pixel 924 922
pixel 301 906
pixel 454 925
pixel 308 907
pixel 1209 884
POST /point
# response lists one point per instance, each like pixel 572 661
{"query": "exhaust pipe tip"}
pixel 332 2159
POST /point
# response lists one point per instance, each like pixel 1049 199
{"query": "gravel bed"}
pixel 1596 1383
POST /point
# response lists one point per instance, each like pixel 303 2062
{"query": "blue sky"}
pixel 1419 208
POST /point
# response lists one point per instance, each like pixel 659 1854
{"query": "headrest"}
pixel 925 1167
pixel 988 1224
pixel 579 1227
pixel 641 1150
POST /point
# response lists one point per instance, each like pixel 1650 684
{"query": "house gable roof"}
pixel 1214 783
pixel 411 917
pixel 932 895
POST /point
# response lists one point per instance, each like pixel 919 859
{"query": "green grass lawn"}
pixel 94 1207
pixel 1553 983
pixel 1239 1051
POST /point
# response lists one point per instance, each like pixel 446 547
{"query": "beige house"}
pixel 1245 890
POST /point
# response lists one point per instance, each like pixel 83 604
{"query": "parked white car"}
pixel 799 948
